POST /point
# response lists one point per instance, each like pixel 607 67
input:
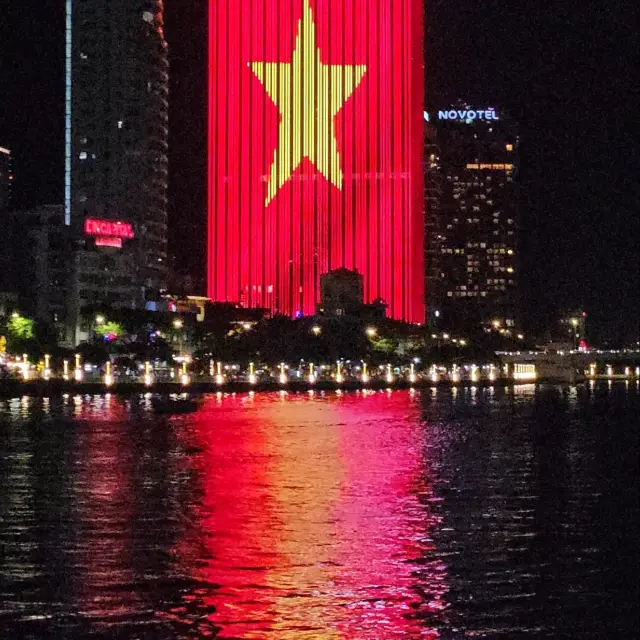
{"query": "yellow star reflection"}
pixel 308 94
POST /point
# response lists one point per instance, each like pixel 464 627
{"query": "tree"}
pixel 20 328
pixel 109 328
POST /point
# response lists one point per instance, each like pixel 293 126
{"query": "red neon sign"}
pixel 104 241
pixel 315 147
pixel 108 228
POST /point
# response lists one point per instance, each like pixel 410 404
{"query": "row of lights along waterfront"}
pixel 343 372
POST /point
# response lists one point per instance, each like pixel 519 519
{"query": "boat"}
pixel 168 406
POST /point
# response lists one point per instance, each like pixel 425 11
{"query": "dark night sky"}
pixel 564 69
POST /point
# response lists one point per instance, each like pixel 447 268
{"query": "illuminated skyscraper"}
pixel 472 242
pixel 116 139
pixel 315 148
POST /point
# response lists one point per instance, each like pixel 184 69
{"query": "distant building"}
pixel 435 286
pixel 116 144
pixel 573 328
pixel 5 179
pixel 341 293
pixel 57 273
pixel 472 240
pixel 41 264
pixel 5 196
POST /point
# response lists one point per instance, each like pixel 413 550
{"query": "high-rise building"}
pixel 5 196
pixel 472 242
pixel 315 151
pixel 434 283
pixel 5 179
pixel 41 264
pixel 116 147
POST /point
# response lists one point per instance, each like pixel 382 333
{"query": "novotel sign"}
pixel 108 229
pixel 465 115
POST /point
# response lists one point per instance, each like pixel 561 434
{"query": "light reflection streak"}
pixel 310 520
pixel 104 514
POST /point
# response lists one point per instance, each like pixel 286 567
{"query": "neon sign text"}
pixel 108 228
pixel 468 114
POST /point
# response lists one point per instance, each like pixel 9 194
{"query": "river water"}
pixel 476 513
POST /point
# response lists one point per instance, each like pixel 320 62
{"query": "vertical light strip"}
pixel 67 112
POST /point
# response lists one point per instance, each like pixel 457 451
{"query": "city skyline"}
pixel 578 225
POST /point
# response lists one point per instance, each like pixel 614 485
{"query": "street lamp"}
pixel 219 376
pixel 148 378
pixel 77 374
pixel 178 324
pixel 371 331
pixel 316 330
pixel 100 319
pixel 184 378
pixel 389 374
pixel 108 376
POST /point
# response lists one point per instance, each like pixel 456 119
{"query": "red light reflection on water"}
pixel 309 519
pixel 104 512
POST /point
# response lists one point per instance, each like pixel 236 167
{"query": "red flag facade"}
pixel 315 147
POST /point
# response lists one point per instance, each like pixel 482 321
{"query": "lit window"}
pixel 509 147
pixel 83 155
pixel 120 123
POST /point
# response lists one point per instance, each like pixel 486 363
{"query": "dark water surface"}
pixel 476 513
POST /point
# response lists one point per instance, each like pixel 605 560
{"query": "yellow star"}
pixel 308 94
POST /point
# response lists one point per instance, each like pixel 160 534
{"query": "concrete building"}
pixel 341 293
pixel 40 267
pixel 116 145
pixel 472 240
